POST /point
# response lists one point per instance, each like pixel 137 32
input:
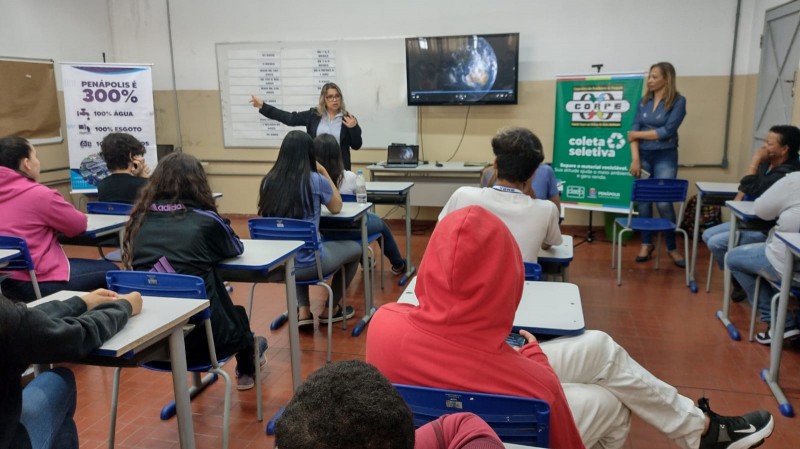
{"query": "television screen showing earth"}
pixel 473 69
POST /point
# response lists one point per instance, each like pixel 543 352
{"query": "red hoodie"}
pixel 469 286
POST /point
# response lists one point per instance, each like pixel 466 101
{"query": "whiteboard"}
pixel 289 75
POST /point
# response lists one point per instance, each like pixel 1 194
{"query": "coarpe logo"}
pixel 602 106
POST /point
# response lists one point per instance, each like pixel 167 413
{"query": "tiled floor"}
pixel 667 329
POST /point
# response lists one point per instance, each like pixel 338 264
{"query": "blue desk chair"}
pixel 794 291
pixel 523 421
pixel 21 262
pixel 533 271
pixel 175 286
pixel 109 208
pixel 306 231
pixel 652 190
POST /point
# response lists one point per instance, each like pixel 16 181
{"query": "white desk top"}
pixel 100 224
pixel 6 254
pixel 262 254
pixel 745 210
pixel 452 166
pixel 388 187
pixel 350 211
pixel 559 253
pixel 552 308
pixel 159 316
pixel 792 240
pixel 719 188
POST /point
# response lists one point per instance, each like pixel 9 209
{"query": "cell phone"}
pixel 644 174
pixel 516 340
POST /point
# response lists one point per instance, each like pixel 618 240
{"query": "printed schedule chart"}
pixel 289 79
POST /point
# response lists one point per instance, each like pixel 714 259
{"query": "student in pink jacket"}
pixel 37 214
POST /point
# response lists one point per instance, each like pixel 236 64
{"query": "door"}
pixel 780 57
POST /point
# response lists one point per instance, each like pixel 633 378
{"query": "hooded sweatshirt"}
pixel 37 214
pixel 469 286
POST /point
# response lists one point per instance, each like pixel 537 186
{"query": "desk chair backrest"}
pixel 348 198
pixel 288 229
pixel 659 190
pixel 533 271
pixel 108 208
pixel 150 283
pixel 517 420
pixel 21 262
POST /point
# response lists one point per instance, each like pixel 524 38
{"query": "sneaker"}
pixel 735 432
pixel 397 271
pixel 338 315
pixel 248 381
pixel 765 338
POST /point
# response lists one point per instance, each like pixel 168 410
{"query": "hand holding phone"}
pixel 515 340
pixel 644 174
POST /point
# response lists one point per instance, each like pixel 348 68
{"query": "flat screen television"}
pixel 462 70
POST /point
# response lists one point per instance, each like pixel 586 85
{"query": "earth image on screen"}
pixel 474 68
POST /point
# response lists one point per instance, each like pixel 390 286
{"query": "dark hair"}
pixel 346 405
pixel 13 150
pixel 329 154
pixel 118 149
pixel 286 189
pixel 178 178
pixel 790 136
pixel 518 153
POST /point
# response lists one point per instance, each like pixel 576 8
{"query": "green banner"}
pixel 591 154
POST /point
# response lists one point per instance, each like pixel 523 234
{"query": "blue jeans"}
pixel 716 238
pixel 660 164
pixel 375 225
pixel 84 275
pixel 48 407
pixel 746 263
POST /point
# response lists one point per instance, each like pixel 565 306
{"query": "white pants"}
pixel 603 385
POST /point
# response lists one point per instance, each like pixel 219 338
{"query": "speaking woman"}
pixel 329 117
pixel 654 147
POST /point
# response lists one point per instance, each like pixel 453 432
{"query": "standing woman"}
pixel 654 147
pixel 329 117
pixel 37 214
pixel 296 187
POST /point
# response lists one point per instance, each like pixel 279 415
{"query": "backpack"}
pixel 709 216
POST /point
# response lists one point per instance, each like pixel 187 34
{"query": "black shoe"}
pixel 737 294
pixel 735 432
pixel 765 338
pixel 338 315
pixel 645 258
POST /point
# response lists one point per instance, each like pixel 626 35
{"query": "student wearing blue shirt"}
pixel 654 147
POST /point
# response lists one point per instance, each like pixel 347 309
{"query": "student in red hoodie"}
pixel 455 339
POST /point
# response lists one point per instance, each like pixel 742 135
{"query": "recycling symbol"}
pixel 615 141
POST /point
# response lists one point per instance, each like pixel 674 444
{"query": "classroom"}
pixel 716 46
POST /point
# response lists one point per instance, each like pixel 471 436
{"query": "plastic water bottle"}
pixel 361 188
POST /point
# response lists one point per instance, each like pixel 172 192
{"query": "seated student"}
pixel 124 156
pixel 296 187
pixel 37 214
pixel 534 223
pixel 767 259
pixel 349 404
pixel 41 414
pixel 544 184
pixel 777 157
pixel 327 152
pixel 175 218
pixel 455 339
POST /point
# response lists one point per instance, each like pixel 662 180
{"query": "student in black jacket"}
pixel 329 117
pixel 41 415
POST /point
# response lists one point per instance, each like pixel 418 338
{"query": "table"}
pixel 710 193
pixel 770 375
pixel 258 259
pixel 434 185
pixel 741 211
pixel 560 254
pixel 349 214
pixel 6 255
pixel 395 193
pixel 546 308
pixel 159 319
pixel 99 225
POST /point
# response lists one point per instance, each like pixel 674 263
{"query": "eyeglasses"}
pixel 332 97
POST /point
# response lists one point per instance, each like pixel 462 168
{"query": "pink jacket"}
pixel 37 213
